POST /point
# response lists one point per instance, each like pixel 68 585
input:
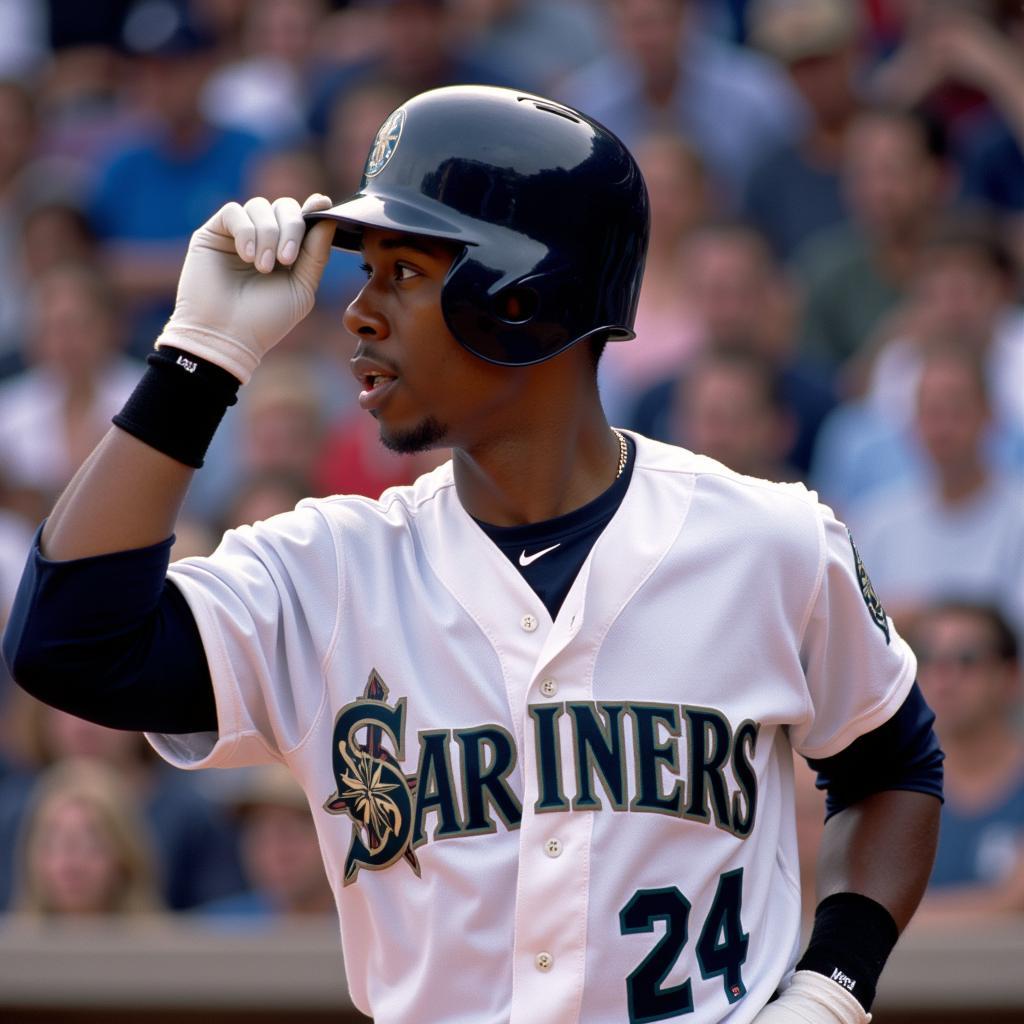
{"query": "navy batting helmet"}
pixel 549 206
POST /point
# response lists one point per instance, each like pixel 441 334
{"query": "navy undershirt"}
pixel 112 640
pixel 555 549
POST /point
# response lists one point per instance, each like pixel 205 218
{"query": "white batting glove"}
pixel 811 998
pixel 250 275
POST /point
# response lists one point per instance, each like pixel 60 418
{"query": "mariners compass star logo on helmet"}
pixel 385 144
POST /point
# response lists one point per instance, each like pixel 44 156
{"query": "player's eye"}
pixel 366 269
pixel 404 273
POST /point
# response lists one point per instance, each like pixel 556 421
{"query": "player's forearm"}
pixel 125 495
pixel 249 276
pixel 882 847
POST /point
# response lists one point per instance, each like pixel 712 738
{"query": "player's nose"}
pixel 363 319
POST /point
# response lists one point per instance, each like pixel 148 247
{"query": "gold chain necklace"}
pixel 623 452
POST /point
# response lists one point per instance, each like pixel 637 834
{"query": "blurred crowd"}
pixel 833 295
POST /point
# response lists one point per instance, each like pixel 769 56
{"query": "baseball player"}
pixel 542 702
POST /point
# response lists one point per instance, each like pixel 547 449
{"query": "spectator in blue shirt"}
pixel 170 174
pixel 970 675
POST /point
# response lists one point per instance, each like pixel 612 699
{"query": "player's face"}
pixel 423 387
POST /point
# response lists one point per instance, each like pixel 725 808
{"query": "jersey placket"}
pixel 540 662
pixel 555 863
pixel 549 958
pixel 549 664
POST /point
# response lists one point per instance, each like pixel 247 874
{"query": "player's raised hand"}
pixel 812 998
pixel 250 275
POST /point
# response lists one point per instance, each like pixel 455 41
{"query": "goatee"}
pixel 429 433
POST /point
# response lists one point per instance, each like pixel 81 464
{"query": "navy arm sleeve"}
pixel 112 640
pixel 902 753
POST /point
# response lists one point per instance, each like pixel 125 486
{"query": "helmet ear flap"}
pixel 517 304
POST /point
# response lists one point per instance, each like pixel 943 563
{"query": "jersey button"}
pixel 553 848
pixel 549 687
pixel 544 961
pixel 529 623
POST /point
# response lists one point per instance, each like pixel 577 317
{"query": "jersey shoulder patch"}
pixel 867 590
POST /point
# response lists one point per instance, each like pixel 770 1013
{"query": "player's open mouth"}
pixel 376 377
pixel 375 389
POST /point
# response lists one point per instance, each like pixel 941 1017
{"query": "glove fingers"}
pixel 317 201
pixel 290 227
pixel 316 248
pixel 268 233
pixel 318 251
pixel 228 229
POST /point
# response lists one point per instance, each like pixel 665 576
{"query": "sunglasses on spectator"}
pixel 961 657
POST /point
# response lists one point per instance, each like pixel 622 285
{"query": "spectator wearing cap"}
pixel 173 172
pixel 795 190
pixel 280 852
pixel 969 671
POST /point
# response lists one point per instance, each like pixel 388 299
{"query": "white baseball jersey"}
pixel 589 819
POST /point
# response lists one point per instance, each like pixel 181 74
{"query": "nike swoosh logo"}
pixel 524 559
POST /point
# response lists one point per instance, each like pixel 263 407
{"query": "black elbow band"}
pixel 178 405
pixel 852 938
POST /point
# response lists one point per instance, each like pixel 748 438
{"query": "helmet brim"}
pixel 389 213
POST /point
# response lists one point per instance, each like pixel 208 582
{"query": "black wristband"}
pixel 178 405
pixel 852 938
